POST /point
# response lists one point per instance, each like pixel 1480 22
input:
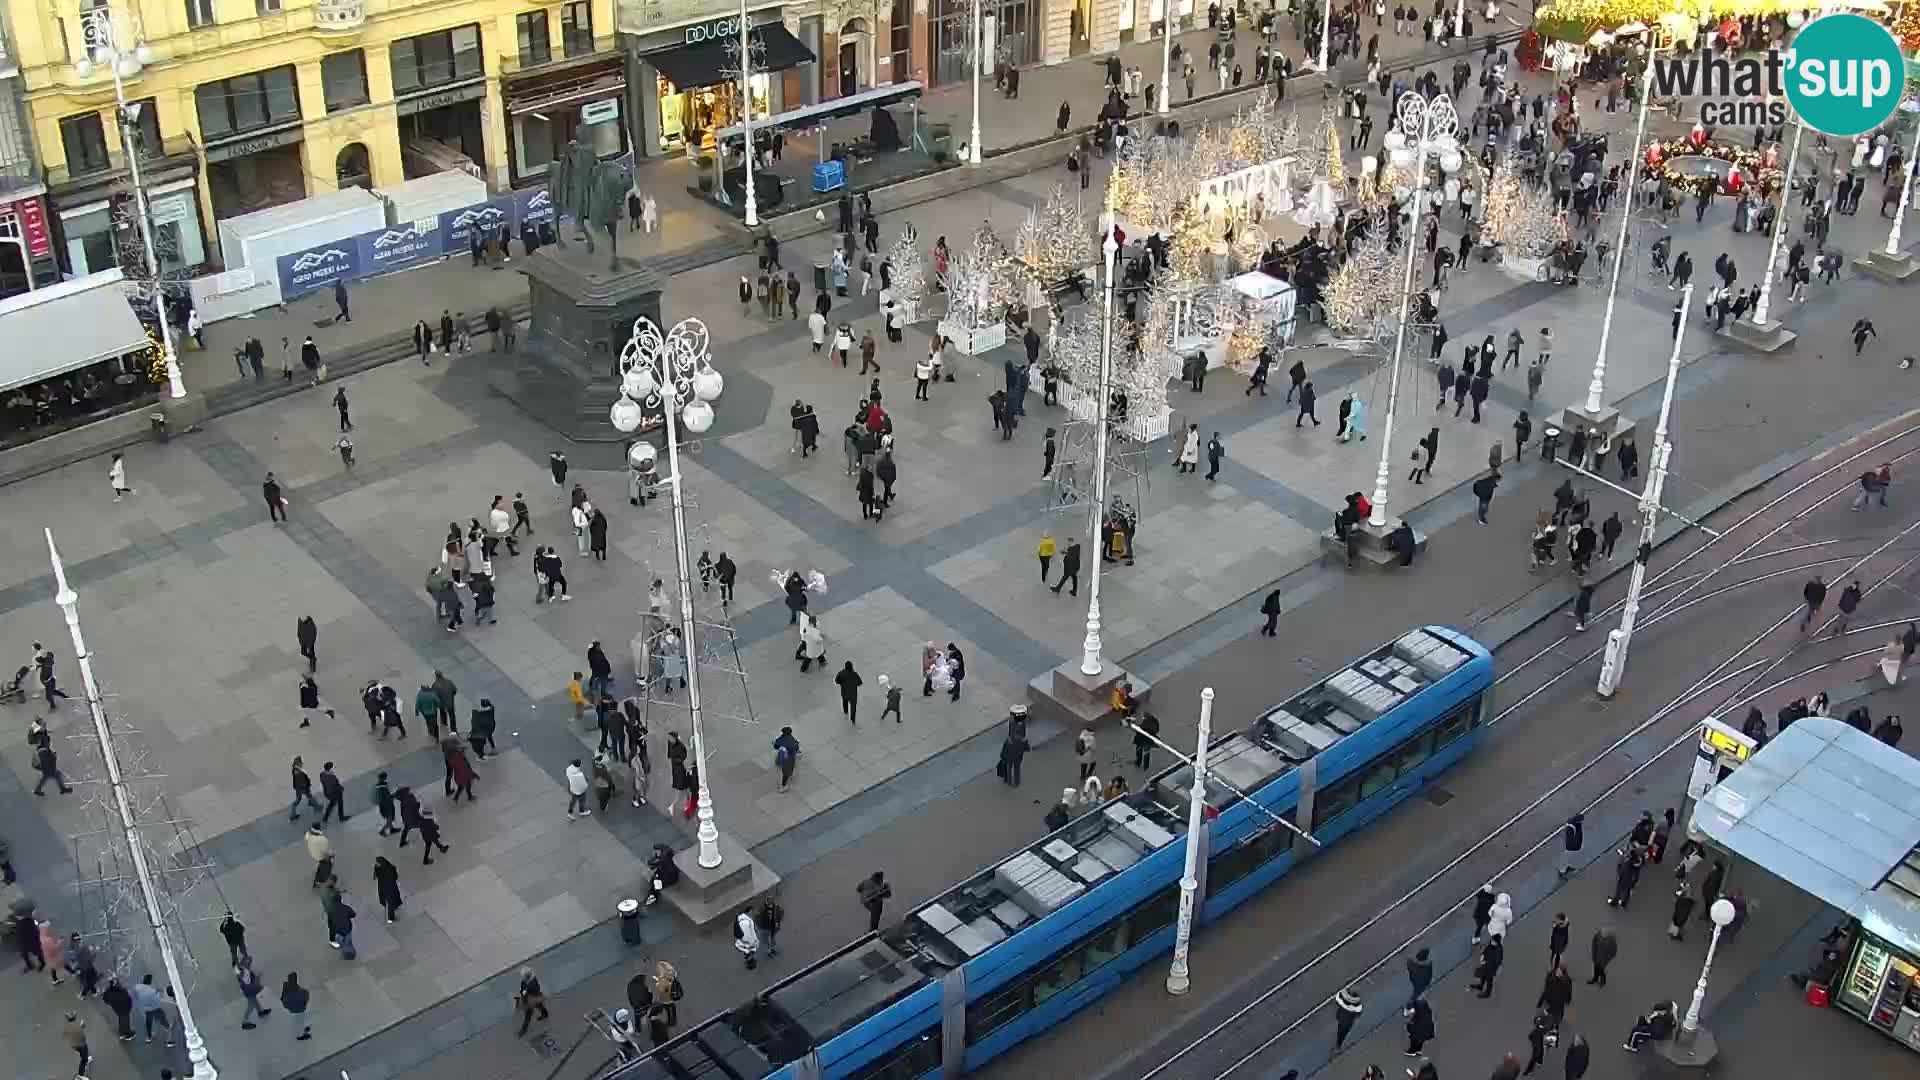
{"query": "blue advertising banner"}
pixel 532 205
pixel 400 247
pixel 456 226
pixel 302 272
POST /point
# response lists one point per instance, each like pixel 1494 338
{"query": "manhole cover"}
pixel 544 1045
pixel 1439 796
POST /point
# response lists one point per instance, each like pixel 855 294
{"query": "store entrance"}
pixel 688 118
pixel 443 139
pixel 1081 42
pixel 250 182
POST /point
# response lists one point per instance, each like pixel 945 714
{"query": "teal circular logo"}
pixel 1845 74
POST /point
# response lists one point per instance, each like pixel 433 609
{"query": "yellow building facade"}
pixel 246 104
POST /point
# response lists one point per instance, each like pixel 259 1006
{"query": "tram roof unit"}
pixel 1044 877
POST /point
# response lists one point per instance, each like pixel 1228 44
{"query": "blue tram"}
pixel 1026 942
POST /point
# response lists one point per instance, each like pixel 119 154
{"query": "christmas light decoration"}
pixel 909 268
pixel 1660 157
pixel 1578 20
pixel 1906 26
pixel 979 287
pixel 1056 241
pixel 1521 218
pixel 1363 294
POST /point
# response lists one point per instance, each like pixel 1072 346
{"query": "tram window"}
pixel 1059 975
pixel 1247 856
pixel 1154 915
pixel 1408 757
pixel 915 1058
pixel 1377 778
pixel 1106 943
pixel 1455 725
pixel 997 1009
pixel 1333 802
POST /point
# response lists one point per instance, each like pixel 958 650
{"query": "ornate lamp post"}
pixel 1614 662
pixel 1326 32
pixel 1721 913
pixel 1103 392
pixel 1178 981
pixel 978 31
pixel 128 821
pixel 1906 193
pixel 676 369
pixel 1166 59
pixel 752 216
pixel 1424 127
pixel 103 44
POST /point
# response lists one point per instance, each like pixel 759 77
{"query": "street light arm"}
pixel 1216 778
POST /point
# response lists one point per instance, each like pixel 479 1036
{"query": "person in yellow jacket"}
pixel 577 695
pixel 1046 555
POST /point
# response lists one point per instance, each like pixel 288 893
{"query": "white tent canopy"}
pixel 60 328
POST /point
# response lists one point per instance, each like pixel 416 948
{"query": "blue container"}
pixel 829 176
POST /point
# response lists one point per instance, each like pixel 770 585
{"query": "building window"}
pixel 343 80
pixel 900 29
pixel 534 48
pixel 246 102
pixel 146 127
pixel 199 13
pixel 85 139
pixel 576 28
pixel 266 7
pixel 436 59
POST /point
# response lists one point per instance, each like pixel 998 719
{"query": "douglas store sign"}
pixel 727 26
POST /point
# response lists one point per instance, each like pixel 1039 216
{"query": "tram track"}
pixel 1726 671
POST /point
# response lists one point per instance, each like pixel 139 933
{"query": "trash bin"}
pixel 159 422
pixel 629 910
pixel 819 277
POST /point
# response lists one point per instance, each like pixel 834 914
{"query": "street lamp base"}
pixel 1684 1051
pixel 1605 427
pixel 1178 984
pixel 1076 699
pixel 706 895
pixel 1372 549
pixel 1760 337
pixel 1894 269
pixel 183 412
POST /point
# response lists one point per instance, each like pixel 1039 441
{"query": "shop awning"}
pixel 693 66
pixel 62 327
pixel 1834 812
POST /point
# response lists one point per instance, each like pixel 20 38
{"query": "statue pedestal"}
pixel 565 371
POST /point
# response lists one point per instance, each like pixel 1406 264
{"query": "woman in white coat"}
pixel 1189 459
pixel 117 476
pixel 1357 419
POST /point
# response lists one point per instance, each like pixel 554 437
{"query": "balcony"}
pixel 339 16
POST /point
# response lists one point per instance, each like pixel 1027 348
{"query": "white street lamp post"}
pixel 1613 663
pixel 1103 391
pixel 1166 64
pixel 1779 228
pixel 1177 981
pixel 1906 193
pixel 677 367
pixel 746 113
pixel 979 32
pixel 1721 913
pixel 1424 127
pixel 1596 390
pixel 99 29
pixel 1460 19
pixel 69 602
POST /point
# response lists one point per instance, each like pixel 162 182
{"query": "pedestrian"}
pixel 1045 553
pixel 1347 1008
pixel 1583 597
pixel 529 999
pixel 1815 595
pixel 335 792
pixel 1849 601
pixel 340 916
pixel 1483 493
pixel 117 476
pixel 893 694
pixel 1419 974
pixel 1419 1025
pixel 874 892
pixel 1578 1055
pixel 116 997
pixel 1483 902
pixel 1557 939
pixel 1306 405
pixel 1556 993
pixel 1484 973
pixel 1083 752
pixel 1603 949
pixel 1070 568
pixel 957 667
pixel 151 1006
pixel 1215 451
pixel 276 502
pixel 1862 330
pixel 1573 838
pixel 768 916
pixel 1296 378
pixel 576 791
pixel 746 938
pixel 1012 752
pixel 1270 607
pixel 1189 454
pixel 46 761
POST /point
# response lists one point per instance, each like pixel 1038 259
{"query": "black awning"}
pixel 693 66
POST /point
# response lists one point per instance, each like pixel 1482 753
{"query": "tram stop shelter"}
pixel 1836 813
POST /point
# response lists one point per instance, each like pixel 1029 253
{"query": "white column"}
pixel 979 57
pixel 1460 19
pixel 1177 981
pixel 1167 16
pixel 708 833
pixel 1779 228
pixel 1613 663
pixel 1596 390
pixel 69 602
pixel 1722 914
pixel 1090 648
pixel 746 112
pixel 1906 192
pixel 101 20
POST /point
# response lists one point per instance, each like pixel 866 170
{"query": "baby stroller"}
pixel 16 691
